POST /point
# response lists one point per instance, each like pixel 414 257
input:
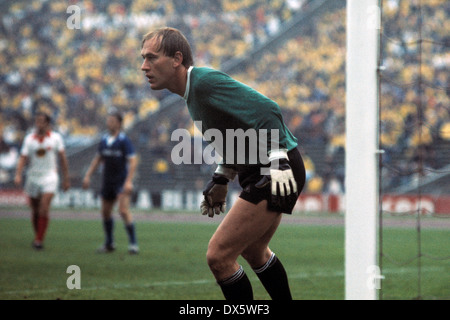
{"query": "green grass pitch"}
pixel 172 263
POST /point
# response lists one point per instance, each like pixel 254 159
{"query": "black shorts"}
pixel 251 175
pixel 110 191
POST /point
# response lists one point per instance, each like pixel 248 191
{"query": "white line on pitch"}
pixel 303 275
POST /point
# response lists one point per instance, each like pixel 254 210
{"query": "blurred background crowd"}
pixel 78 74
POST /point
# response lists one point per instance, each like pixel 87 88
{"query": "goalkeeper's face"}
pixel 158 68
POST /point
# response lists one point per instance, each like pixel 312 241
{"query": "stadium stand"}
pixel 79 74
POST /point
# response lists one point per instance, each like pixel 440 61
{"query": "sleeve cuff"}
pixel 227 172
pixel 278 154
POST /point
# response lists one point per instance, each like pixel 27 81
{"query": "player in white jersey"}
pixel 40 152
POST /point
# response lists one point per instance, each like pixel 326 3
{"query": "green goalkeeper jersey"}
pixel 217 101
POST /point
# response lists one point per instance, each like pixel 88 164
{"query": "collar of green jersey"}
pixel 188 83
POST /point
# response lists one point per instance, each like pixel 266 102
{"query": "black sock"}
pixel 237 287
pixel 131 231
pixel 108 227
pixel 274 279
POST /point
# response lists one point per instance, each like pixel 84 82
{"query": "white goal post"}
pixel 361 163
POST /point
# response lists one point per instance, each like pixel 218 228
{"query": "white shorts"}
pixel 35 186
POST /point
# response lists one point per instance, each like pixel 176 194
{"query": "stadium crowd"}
pixel 415 87
pixel 77 74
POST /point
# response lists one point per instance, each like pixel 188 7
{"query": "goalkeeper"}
pixel 222 103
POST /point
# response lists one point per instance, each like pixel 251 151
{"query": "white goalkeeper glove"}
pixel 284 192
